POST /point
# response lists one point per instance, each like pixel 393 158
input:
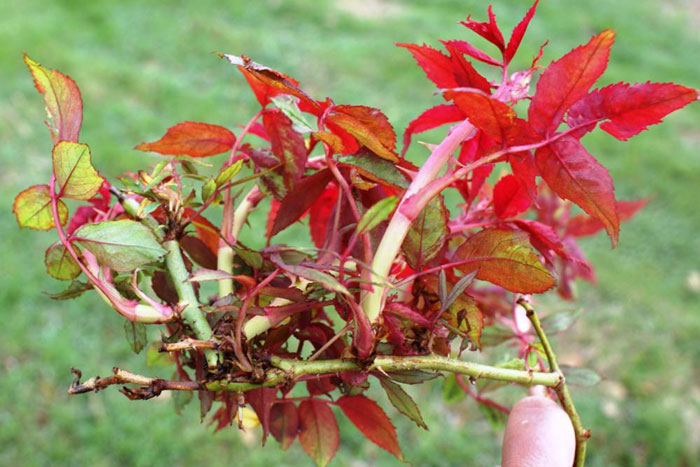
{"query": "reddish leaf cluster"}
pixel 457 277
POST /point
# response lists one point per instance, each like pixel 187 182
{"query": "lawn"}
pixel 143 66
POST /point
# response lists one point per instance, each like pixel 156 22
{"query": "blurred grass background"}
pixel 143 66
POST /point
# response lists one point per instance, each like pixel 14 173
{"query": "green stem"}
pixel 285 369
pixel 191 314
pixel 562 389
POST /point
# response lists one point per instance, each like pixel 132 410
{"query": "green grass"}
pixel 143 66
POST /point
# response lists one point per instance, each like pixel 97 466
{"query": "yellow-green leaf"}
pixel 64 106
pixel 60 264
pixel 122 245
pixel 32 208
pixel 76 176
pixel 379 212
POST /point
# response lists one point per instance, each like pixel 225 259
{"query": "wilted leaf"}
pixel 32 207
pixel 505 258
pixel 288 105
pixel 192 139
pixel 136 335
pixel 122 245
pixel 180 400
pixel 567 80
pixel 466 316
pixel 573 174
pixel 560 321
pixel 372 422
pixel 64 106
pixel 427 234
pixel 76 176
pixel 284 423
pixel 318 431
pixel 60 264
pixel 262 400
pixel 403 402
pixel 74 289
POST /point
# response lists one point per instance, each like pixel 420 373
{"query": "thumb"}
pixel 538 434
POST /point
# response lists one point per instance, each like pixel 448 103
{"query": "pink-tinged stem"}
pixel 372 301
pixel 130 309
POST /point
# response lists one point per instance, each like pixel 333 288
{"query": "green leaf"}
pixel 403 402
pixel 60 264
pixel 32 208
pixel 250 257
pixel 288 105
pixel 208 189
pixel 375 168
pixel 451 391
pixel 74 289
pixel 227 173
pixel 427 234
pixel 136 335
pixel 122 245
pixel 379 212
pixel 580 376
pixel 75 174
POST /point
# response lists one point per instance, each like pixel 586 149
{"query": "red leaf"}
pixel 488 31
pixel 284 423
pixel 431 118
pixel 510 197
pixel 192 139
pixel 567 80
pixel 465 74
pixel 505 258
pixel 465 47
pixel 493 117
pixel 206 231
pixel 320 214
pixel 573 174
pixel 368 126
pixel 518 33
pixel 318 431
pixel 581 226
pixel 295 204
pixel 266 82
pixel 64 105
pixel 261 400
pixel 543 237
pixel 629 108
pixel 436 65
pixel 372 422
pixel 287 144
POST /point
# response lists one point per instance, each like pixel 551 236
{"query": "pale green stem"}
pixel 191 314
pixel 287 369
pixel 225 256
pixel 561 389
pixel 373 301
